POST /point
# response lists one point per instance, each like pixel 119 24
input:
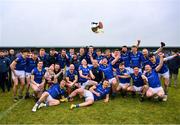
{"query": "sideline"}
pixel 3 114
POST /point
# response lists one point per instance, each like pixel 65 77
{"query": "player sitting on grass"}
pixel 139 83
pixel 51 96
pixel 124 79
pixel 95 93
pixel 154 82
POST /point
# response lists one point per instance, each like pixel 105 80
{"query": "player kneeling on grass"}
pixel 124 79
pixel 139 83
pixel 72 79
pixel 51 96
pixel 38 80
pixel 155 88
pixel 95 93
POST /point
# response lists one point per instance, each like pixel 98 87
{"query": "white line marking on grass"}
pixel 3 114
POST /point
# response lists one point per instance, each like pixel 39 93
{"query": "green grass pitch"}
pixel 118 111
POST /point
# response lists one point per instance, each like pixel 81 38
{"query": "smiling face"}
pixel 84 62
pixel 104 61
pixel 56 67
pixel 134 49
pixel 152 59
pixel 105 84
pixel 62 83
pixel 95 63
pixel 1 53
pixel 145 52
pixel 148 68
pixel 108 52
pixel 40 64
pixel 63 53
pixel 121 66
pixel 71 68
pixel 136 70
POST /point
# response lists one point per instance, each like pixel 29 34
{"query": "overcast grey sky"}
pixel 67 22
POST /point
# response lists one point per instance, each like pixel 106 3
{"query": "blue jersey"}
pixel 122 73
pixel 99 58
pixel 145 61
pixel 126 59
pixel 72 75
pixel 63 61
pixel 116 65
pixel 153 79
pixel 44 59
pixel 137 80
pixel 85 72
pixel 103 92
pixel 38 75
pixel 30 64
pixel 110 58
pixel 107 70
pixel 163 69
pixel 56 91
pixel 88 59
pixel 135 59
pixel 21 63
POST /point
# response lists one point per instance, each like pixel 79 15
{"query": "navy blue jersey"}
pixel 30 64
pixel 21 63
pixel 56 91
pixel 122 73
pixel 137 80
pixel 116 65
pixel 126 58
pixel 44 59
pixel 38 75
pixel 145 61
pixel 63 61
pixel 72 75
pixel 76 64
pixel 4 64
pixel 163 69
pixel 99 58
pixel 88 59
pixel 85 72
pixel 103 92
pixel 107 70
pixel 110 58
pixel 135 59
pixel 153 79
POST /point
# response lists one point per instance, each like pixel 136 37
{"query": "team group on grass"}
pixel 60 76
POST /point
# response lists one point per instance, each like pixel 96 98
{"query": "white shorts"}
pixel 123 84
pixel 19 73
pixel 131 70
pixel 85 84
pixel 28 74
pixel 164 75
pixel 137 89
pixel 49 98
pixel 110 80
pixel 88 95
pixel 156 90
